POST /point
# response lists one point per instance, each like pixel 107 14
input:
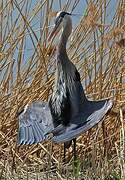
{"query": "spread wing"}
pixel 86 120
pixel 34 123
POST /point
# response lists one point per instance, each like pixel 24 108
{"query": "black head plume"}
pixel 63 13
pixel 60 16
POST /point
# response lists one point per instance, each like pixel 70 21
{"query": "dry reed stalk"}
pixel 27 66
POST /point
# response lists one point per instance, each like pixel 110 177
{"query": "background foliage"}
pixel 27 66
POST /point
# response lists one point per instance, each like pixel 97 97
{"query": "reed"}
pixel 27 66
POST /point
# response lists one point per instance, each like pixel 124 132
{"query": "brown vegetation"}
pixel 97 49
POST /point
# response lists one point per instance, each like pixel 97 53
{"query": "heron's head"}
pixel 62 18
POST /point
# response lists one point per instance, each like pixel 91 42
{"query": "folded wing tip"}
pixel 109 104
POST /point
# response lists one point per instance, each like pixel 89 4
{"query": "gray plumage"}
pixel 34 122
pixel 68 112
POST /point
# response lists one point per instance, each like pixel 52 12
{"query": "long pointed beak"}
pixel 77 14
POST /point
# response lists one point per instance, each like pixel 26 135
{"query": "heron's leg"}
pixel 64 157
pixel 74 149
pixel 66 146
pixel 75 161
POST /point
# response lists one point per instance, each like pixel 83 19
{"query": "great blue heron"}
pixel 68 112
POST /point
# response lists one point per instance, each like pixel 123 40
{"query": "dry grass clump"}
pixel 27 66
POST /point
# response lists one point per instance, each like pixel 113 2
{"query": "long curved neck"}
pixel 67 29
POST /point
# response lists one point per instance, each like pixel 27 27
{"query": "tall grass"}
pixel 27 66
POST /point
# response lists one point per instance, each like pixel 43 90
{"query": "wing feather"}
pixel 34 123
pixel 36 135
pixel 75 129
pixel 26 133
pixel 31 136
pixel 21 134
